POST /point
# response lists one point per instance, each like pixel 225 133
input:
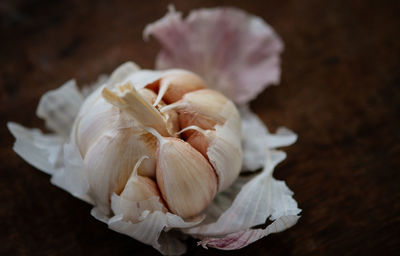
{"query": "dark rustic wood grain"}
pixel 339 92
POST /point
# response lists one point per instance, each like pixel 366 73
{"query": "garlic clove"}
pixel 139 188
pixel 111 159
pixel 95 117
pixel 187 119
pixel 199 139
pixel 200 142
pixel 174 84
pixel 140 194
pixel 202 108
pixel 205 103
pixel 186 179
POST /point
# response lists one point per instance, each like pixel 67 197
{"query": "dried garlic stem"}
pixel 129 100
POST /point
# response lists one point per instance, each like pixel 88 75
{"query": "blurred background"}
pixel 339 91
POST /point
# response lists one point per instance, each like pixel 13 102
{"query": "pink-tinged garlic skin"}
pixel 186 179
pixel 240 60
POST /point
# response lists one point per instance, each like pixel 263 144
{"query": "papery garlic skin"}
pixel 123 121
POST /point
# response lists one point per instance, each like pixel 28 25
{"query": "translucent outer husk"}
pixel 252 200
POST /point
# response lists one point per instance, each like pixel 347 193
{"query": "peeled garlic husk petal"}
pixel 59 107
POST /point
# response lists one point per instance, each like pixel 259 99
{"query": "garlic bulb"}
pixel 150 149
pixel 157 134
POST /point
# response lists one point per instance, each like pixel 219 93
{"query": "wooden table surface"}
pixel 339 92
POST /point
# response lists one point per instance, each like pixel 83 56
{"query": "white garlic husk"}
pixel 140 114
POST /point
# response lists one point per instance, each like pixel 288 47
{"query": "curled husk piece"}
pixel 68 154
pixel 235 52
